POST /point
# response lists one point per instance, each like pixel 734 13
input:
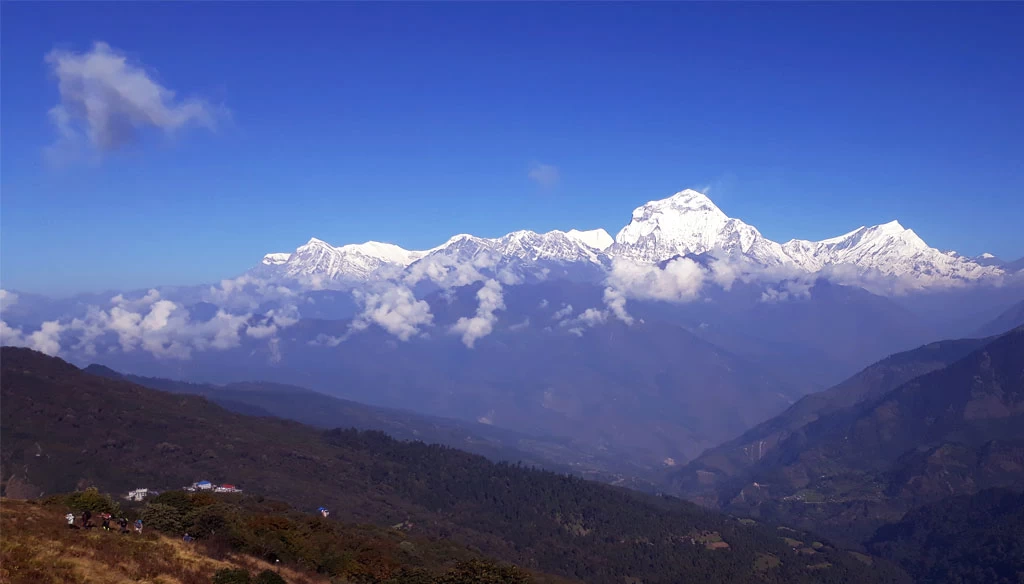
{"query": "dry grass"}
pixel 37 547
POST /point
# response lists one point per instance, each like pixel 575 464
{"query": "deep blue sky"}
pixel 409 123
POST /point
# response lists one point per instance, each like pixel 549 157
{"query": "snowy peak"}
pixel 275 259
pixel 595 238
pixel 689 223
pixel 384 252
pixel 890 250
pixel 317 259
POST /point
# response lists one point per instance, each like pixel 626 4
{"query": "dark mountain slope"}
pixel 955 430
pixel 967 539
pixel 62 427
pixel 324 411
pixel 701 477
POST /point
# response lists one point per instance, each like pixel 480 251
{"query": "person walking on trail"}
pixel 70 518
pixel 123 524
pixel 138 526
pixel 187 539
pixel 106 522
pixel 86 519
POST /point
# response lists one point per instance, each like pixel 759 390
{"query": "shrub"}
pixel 180 500
pixel 92 500
pixel 232 576
pixel 269 577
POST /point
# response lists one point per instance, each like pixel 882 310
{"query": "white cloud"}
pixel 680 281
pixel 615 300
pixel 543 303
pixel 589 318
pixel 520 325
pixel 481 325
pixel 563 312
pixel 396 310
pixel 592 317
pixel 248 292
pixel 545 175
pixel 7 299
pixel 160 327
pixel 788 290
pixel 449 272
pixel 45 340
pixel 106 101
pixel 11 336
pixel 273 321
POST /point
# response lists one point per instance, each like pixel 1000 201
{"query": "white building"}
pixel 138 494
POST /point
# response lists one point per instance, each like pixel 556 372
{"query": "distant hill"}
pixel 955 430
pixel 1010 319
pixel 967 539
pixel 702 478
pixel 324 411
pixel 62 428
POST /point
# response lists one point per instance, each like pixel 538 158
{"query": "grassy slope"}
pixel 38 548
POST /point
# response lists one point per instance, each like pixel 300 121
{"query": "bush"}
pixel 163 517
pixel 232 576
pixel 92 500
pixel 269 577
pixel 206 521
pixel 180 500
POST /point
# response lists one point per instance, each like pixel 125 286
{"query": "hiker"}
pixel 86 517
pixel 70 517
pixel 187 539
pixel 123 522
pixel 138 526
pixel 106 522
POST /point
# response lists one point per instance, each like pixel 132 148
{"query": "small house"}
pixel 204 486
pixel 138 494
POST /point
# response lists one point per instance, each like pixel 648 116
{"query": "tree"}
pixel 92 500
pixel 163 517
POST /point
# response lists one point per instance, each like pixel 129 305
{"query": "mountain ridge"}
pixel 687 222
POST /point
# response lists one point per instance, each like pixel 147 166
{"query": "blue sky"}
pixel 409 123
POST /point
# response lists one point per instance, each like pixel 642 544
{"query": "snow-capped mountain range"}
pixel 687 223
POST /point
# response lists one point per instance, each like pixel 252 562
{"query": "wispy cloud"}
pixel 545 175
pixel 106 101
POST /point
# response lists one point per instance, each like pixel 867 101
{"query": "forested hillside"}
pixel 718 469
pixel 955 430
pixel 968 539
pixel 63 428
